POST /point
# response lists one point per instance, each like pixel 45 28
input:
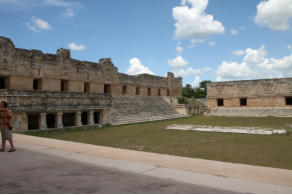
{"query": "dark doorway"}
pixel 68 119
pixel 86 87
pixel 137 90
pixel 107 88
pixel 220 102
pixel 84 118
pixel 124 89
pixel 149 91
pixel 96 116
pixel 159 92
pixel 243 102
pixel 288 100
pixel 64 85
pixel 33 121
pixel 168 92
pixel 37 83
pixel 3 83
pixel 51 121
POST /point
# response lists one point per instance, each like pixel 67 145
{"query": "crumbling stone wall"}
pixel 241 97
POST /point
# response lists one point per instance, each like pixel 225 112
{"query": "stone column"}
pixel 90 118
pixel 43 121
pixel 59 120
pixel 78 122
pixel 106 117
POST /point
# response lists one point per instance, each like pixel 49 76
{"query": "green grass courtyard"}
pixel 262 150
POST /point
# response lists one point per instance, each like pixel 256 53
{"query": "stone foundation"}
pixel 248 112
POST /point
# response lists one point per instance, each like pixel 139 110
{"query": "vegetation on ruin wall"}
pixel 263 150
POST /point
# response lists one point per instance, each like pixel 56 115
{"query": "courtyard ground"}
pixel 263 150
pixel 30 172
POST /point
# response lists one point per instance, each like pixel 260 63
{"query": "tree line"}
pixel 199 92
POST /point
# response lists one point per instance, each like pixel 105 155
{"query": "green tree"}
pixel 200 93
pixel 188 91
pixel 203 84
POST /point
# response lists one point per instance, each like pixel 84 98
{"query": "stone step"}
pixel 131 120
pixel 146 117
pixel 143 119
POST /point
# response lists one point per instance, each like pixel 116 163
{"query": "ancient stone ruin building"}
pixel 263 97
pixel 55 91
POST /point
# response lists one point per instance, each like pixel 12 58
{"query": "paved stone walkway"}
pixel 226 176
pixel 29 172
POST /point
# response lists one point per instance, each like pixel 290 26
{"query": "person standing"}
pixel 5 126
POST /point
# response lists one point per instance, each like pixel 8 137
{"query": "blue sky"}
pixel 196 39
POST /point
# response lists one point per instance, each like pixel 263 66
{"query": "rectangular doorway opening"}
pixel 137 90
pixel 243 102
pixel 64 85
pixel 149 91
pixel 33 121
pixel 289 101
pixel 3 82
pixel 84 118
pixel 68 119
pixel 86 87
pixel 159 92
pixel 220 102
pixel 51 120
pixel 37 84
pixel 107 88
pixel 168 93
pixel 124 89
pixel 96 117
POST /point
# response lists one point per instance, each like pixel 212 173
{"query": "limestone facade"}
pixel 263 97
pixel 68 92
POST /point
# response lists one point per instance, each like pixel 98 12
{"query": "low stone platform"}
pixel 130 119
pixel 246 130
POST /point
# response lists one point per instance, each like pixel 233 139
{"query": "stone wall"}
pixel 55 91
pixel 240 97
pixel 23 102
pixel 22 66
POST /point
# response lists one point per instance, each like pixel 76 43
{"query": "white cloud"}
pixel 76 47
pixel 194 42
pixel 179 50
pixel 59 3
pixel 236 31
pixel 196 82
pixel 68 13
pixel 186 72
pixel 211 43
pixel 207 69
pixel 274 14
pixel 136 67
pixel 255 65
pixel 70 8
pixel 289 47
pixel 238 52
pixel 38 24
pixel 191 20
pixel 178 62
